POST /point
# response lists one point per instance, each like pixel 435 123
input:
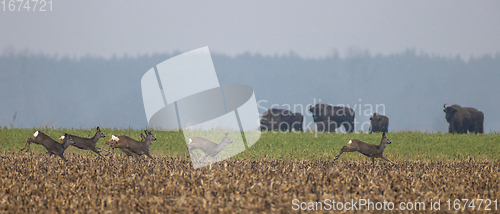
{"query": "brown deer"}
pixel 52 146
pixel 370 150
pixel 208 147
pixel 88 143
pixel 137 147
pixel 112 143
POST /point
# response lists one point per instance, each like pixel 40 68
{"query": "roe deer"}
pixel 208 147
pixel 136 147
pixel 88 143
pixel 52 146
pixel 112 143
pixel 370 150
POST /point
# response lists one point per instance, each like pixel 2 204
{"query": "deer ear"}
pixel 383 135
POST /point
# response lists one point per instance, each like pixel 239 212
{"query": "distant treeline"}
pixel 90 91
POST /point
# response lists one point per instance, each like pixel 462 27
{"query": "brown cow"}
pixel 464 119
pixel 281 119
pixel 331 117
pixel 379 123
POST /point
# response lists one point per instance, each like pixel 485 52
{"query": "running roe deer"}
pixel 112 143
pixel 88 143
pixel 208 147
pixel 370 150
pixel 52 146
pixel 136 147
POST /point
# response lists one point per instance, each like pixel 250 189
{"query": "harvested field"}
pixel 32 182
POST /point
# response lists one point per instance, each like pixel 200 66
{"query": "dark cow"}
pixel 281 119
pixel 464 119
pixel 328 118
pixel 477 120
pixel 379 123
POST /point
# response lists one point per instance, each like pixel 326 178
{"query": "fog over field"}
pixel 79 64
pixel 410 87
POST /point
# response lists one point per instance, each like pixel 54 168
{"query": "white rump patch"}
pixel 62 137
pixel 115 138
pixel 36 134
pixel 350 142
pixel 190 140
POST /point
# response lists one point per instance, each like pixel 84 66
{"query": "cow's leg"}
pixel 348 127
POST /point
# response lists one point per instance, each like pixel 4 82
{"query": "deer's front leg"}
pixel 387 159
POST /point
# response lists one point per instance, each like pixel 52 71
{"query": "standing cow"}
pixel 281 119
pixel 328 118
pixel 379 123
pixel 477 120
pixel 463 119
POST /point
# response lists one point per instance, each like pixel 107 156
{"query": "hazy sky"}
pixel 310 29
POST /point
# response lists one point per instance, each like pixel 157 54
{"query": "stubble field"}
pixel 36 183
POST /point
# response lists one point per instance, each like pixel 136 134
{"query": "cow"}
pixel 328 118
pixel 379 123
pixel 477 120
pixel 281 119
pixel 463 119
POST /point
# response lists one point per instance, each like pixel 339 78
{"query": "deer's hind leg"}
pixel 344 149
pixel 28 143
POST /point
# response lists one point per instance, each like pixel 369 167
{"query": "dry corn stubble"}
pixel 37 183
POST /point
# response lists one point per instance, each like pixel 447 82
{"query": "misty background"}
pixel 80 63
pixel 42 90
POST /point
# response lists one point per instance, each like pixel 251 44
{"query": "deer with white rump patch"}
pixel 113 142
pixel 208 147
pixel 52 146
pixel 369 150
pixel 88 143
pixel 136 147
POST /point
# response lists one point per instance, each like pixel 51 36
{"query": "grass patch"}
pixel 405 146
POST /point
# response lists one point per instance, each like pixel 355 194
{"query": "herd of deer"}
pixel 126 144
pixel 136 148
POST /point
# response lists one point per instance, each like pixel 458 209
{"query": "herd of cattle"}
pixel 328 118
